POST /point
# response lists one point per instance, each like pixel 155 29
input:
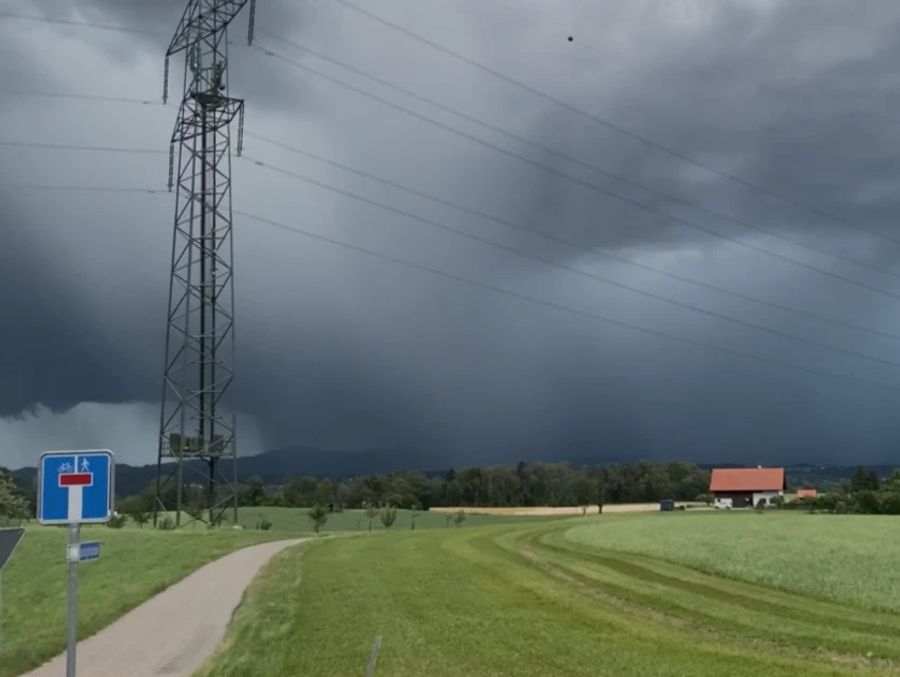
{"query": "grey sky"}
pixel 340 350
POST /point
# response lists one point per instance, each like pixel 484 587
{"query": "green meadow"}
pixel 565 598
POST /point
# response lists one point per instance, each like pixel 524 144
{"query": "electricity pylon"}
pixel 197 427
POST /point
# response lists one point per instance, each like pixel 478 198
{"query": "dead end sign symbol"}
pixel 76 487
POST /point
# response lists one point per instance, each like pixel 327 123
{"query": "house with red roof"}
pixel 746 487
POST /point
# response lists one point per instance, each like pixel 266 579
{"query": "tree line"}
pixel 527 484
pixel 865 494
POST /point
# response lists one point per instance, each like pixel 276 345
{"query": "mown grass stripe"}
pixel 811 639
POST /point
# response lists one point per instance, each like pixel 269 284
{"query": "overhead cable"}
pixel 571 269
pixel 593 117
pixel 563 308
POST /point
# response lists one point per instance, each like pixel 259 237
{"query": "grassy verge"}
pixel 843 558
pixel 524 600
pixel 134 565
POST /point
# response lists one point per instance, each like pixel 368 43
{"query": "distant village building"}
pixel 807 493
pixel 746 487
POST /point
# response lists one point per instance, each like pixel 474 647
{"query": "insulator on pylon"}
pixel 171 165
pixel 252 22
pixel 166 82
pixel 240 139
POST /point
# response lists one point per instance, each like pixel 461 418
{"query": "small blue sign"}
pixel 76 487
pixel 89 550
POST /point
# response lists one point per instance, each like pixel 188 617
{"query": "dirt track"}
pixel 173 633
pixel 568 510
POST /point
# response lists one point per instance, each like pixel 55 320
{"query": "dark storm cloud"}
pixel 339 350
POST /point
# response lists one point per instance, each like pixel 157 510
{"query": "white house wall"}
pixel 767 495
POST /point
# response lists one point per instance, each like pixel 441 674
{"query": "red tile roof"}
pixel 747 479
pixel 807 493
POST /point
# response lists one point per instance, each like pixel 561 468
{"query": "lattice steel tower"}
pixel 197 427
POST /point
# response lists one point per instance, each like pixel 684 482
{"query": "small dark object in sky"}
pixel 571 38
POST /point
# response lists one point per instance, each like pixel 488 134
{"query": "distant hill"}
pixel 274 467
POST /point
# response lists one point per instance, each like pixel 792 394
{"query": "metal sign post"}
pixel 72 616
pixel 75 488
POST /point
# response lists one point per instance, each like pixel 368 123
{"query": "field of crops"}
pixel 556 598
pixel 134 565
pixel 844 558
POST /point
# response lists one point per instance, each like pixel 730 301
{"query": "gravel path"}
pixel 173 633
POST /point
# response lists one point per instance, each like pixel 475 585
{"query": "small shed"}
pixel 666 505
pixel 746 487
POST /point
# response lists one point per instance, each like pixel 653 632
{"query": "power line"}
pixel 87 97
pixel 470 282
pixel 603 121
pixel 587 184
pixel 478 213
pixel 563 308
pixel 588 165
pixel 567 242
pixel 571 269
pixel 80 24
pixel 68 146
pixel 546 168
pixel 470 210
pixel 526 87
pixel 89 189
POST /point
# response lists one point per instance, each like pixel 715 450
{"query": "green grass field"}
pixel 558 598
pixel 134 565
pixel 844 558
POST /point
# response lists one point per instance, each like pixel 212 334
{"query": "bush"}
pixel 117 521
pixel 371 512
pixel 318 515
pixel 866 502
pixel 263 524
pixel 388 516
pixel 166 523
pixel 890 502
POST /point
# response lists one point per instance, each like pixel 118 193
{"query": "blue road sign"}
pixel 76 487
